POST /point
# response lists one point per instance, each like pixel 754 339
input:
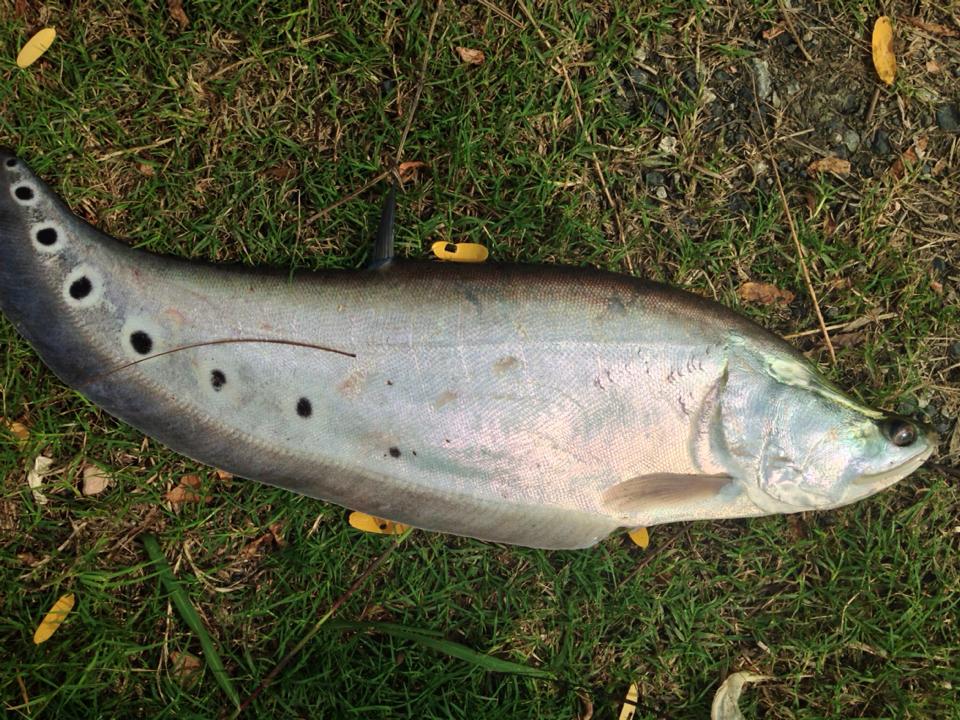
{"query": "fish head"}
pixel 799 443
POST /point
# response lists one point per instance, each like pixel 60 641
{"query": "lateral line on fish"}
pixel 221 341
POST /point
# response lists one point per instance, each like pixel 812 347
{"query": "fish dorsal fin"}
pixel 645 492
pixel 382 252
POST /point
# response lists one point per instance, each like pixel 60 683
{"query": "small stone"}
pixel 852 140
pixel 793 88
pixel 881 143
pixel 655 179
pixel 661 110
pixel 662 193
pixel 850 104
pixel 939 266
pixel 761 72
pixel 955 350
pixel 948 118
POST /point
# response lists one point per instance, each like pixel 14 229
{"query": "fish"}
pixel 536 405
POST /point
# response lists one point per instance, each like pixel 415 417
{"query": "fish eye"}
pixel 901 433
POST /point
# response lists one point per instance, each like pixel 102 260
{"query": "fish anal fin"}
pixel 657 490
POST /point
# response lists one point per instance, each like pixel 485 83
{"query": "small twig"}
pixel 793 231
pixel 411 111
pixel 502 13
pixel 785 13
pixel 357 584
pixel 347 198
pixel 575 97
pixel 945 469
pixel 873 105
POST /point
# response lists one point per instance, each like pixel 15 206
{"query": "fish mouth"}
pixel 888 477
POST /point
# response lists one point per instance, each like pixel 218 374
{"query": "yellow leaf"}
pixel 16 428
pixel 460 252
pixel 883 58
pixel 629 708
pixel 35 47
pixel 58 613
pixel 42 466
pixel 369 523
pixel 640 537
pixel 471 56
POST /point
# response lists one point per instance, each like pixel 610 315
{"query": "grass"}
pixel 250 121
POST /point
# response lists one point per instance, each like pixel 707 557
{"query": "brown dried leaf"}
pixel 850 339
pixel 774 31
pixel 16 428
pixel 186 491
pixel 470 56
pixel 831 164
pixel 95 480
pixel 933 66
pixel 909 158
pixel 146 170
pixel 884 60
pixel 281 172
pixel 276 529
pixel 21 8
pixel 764 293
pixel 223 475
pixel 932 28
pixel 176 12
pixel 184 667
pixel 829 225
pixel 408 169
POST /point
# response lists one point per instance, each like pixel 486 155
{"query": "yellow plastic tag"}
pixel 35 47
pixel 58 613
pixel 460 252
pixel 629 708
pixel 641 537
pixel 369 523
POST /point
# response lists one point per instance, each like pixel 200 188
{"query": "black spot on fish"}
pixel 395 452
pixel 217 379
pixel 80 288
pixel 24 193
pixel 46 236
pixel 11 162
pixel 141 342
pixel 304 408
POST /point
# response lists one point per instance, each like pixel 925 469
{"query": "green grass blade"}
pixel 190 616
pixel 435 641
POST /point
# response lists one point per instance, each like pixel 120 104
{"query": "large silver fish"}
pixel 541 406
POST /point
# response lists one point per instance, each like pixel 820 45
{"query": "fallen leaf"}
pixel 16 428
pixel 176 12
pixel 932 28
pixel 184 667
pixel 9 515
pixel 21 8
pixel 95 480
pixel 407 169
pixel 41 467
pixel 884 61
pixel 640 537
pixel 276 529
pixel 933 66
pixel 764 293
pixel 470 56
pixel 908 158
pixel 281 172
pixel 146 169
pixel 773 32
pixel 186 491
pixel 53 619
pixel 223 475
pixel 850 339
pixel 35 47
pixel 831 164
pixel 372 524
pixel 725 705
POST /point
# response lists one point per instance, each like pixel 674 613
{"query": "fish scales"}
pixel 534 405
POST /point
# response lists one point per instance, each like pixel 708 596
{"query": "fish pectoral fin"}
pixel 382 252
pixel 659 489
